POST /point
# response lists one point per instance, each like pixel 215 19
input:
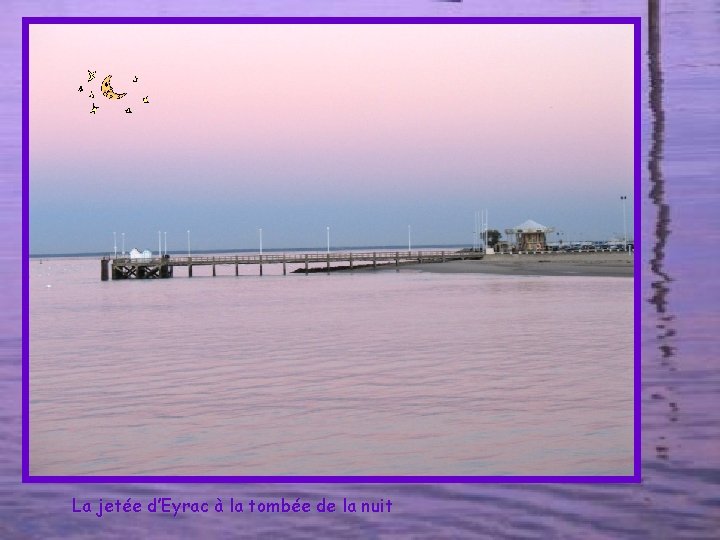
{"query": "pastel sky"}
pixel 292 128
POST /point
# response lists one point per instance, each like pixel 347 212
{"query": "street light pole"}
pixel 485 220
pixel 123 243
pixel 165 247
pixel 475 234
pixel 623 198
pixel 115 243
pixel 260 231
pixel 328 239
pixel 188 234
pixel 159 244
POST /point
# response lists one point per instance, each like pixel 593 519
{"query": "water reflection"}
pixel 657 191
pixel 661 284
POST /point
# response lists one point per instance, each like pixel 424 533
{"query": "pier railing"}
pixel 162 267
pixel 275 258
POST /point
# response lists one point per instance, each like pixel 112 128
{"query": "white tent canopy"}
pixel 531 226
pixel 137 254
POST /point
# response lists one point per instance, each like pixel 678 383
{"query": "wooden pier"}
pixel 163 267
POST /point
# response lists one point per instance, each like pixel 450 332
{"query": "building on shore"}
pixel 529 236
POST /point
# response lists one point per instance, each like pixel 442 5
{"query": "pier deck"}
pixel 162 267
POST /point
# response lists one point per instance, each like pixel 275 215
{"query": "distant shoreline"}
pixel 547 264
pixel 602 264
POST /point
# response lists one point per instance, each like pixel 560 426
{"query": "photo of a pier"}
pixel 346 250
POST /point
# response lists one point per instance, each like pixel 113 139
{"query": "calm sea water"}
pixel 680 376
pixel 345 374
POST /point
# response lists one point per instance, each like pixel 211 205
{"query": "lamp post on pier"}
pixel 260 231
pixel 115 243
pixel 476 232
pixel 188 237
pixel 623 198
pixel 123 243
pixel 328 238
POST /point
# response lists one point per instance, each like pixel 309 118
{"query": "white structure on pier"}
pixel 529 236
pixel 135 254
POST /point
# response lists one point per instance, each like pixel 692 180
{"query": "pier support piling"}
pixel 261 265
pixel 306 264
pixel 374 261
pixel 284 266
pixel 104 269
pixel 351 262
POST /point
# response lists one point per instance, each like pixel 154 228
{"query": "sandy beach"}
pixel 547 264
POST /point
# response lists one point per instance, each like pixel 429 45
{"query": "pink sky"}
pixel 485 100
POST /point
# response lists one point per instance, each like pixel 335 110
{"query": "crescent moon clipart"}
pixel 108 91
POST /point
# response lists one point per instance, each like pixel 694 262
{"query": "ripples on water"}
pixel 678 497
pixel 348 374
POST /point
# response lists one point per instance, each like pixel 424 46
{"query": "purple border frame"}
pixel 636 477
